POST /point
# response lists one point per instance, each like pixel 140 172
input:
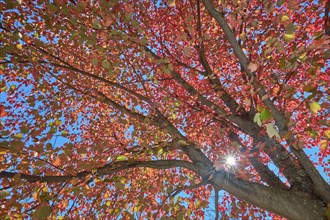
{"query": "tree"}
pixel 113 108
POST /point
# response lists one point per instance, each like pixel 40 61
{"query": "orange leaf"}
pixel 108 21
pixel 57 161
pixel 323 144
pixel 3 113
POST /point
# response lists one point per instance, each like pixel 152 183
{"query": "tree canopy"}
pixel 145 109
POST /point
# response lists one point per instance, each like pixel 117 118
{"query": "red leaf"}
pixel 3 112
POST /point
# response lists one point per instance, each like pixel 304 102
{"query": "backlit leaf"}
pixel 315 107
pixel 323 144
pixel 252 67
pixel 265 115
pixel 19 46
pixel 42 212
pixel 271 131
pixel 257 119
pixel 121 158
pixel 288 37
pixel 106 64
pixel 171 3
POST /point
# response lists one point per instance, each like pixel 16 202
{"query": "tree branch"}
pixel 319 183
pixel 265 173
pixel 216 204
pixel 286 203
pixel 105 170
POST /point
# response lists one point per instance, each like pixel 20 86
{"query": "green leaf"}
pixel 282 62
pixel 160 151
pixel 121 158
pixel 308 88
pixel 3 194
pixel 186 52
pixel 180 215
pixel 94 61
pixel 24 130
pixel 315 107
pixel 288 37
pixel 265 115
pixel 271 131
pixel 290 29
pixel 106 64
pixel 18 136
pixel 65 133
pixel 42 212
pixel 96 24
pixel 183 142
pixel 257 119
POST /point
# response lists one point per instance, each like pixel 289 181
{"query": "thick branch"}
pixel 105 170
pixel 292 205
pixel 288 204
pixel 265 173
pixel 217 86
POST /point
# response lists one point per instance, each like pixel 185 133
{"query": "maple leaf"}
pixel 271 131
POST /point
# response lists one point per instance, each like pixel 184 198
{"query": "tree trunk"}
pixel 289 204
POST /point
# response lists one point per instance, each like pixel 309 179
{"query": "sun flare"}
pixel 231 161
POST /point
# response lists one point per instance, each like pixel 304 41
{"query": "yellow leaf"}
pixel 18 135
pixel 323 144
pixel 108 203
pixel 288 37
pixel 171 3
pixel 57 122
pixel 18 217
pixel 3 151
pixel 19 46
pixel 327 134
pixel 173 116
pixel 284 18
pixel 45 189
pixel 315 107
